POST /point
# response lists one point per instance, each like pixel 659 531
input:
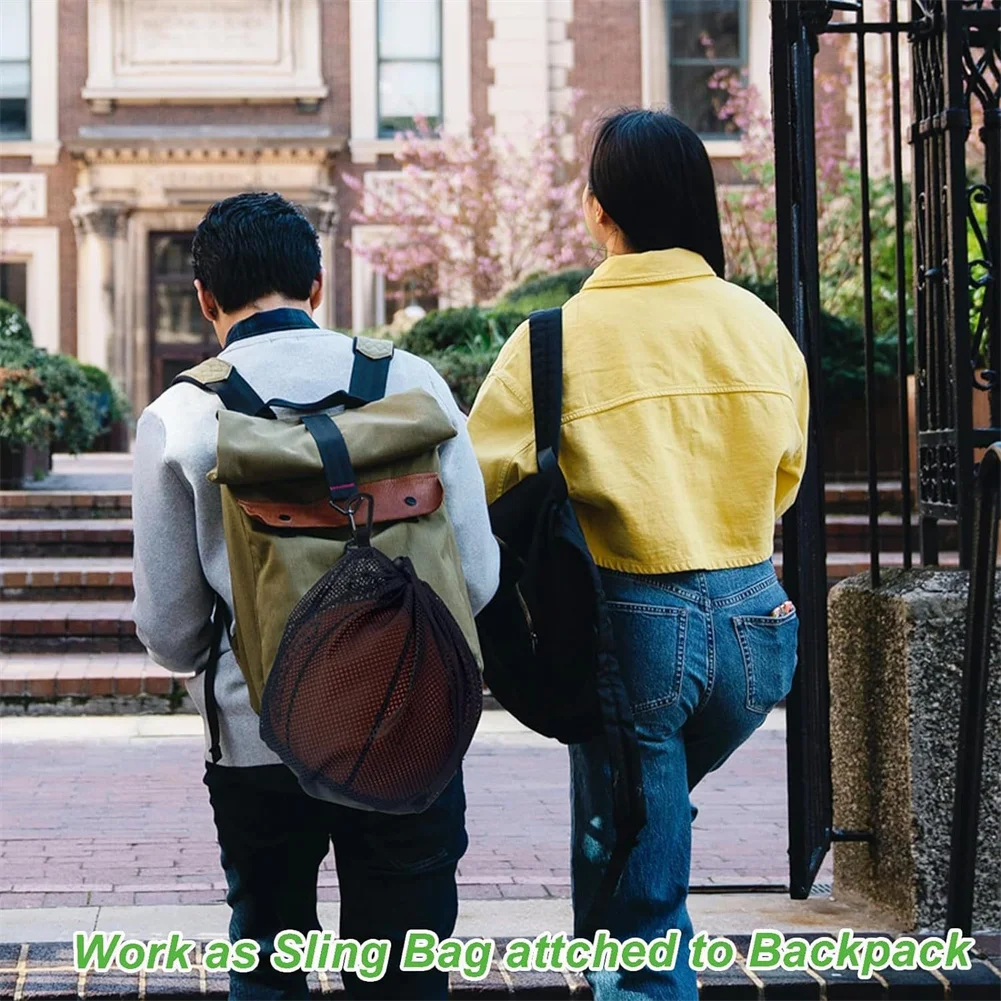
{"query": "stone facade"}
pixel 144 114
pixel 895 670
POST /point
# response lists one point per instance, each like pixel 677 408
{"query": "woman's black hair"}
pixel 651 173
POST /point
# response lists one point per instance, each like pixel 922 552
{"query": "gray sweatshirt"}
pixel 180 553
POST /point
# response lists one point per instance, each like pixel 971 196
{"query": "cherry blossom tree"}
pixel 468 217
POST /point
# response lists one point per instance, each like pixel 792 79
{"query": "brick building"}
pixel 122 120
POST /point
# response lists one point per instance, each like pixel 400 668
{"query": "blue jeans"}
pixel 395 872
pixel 704 662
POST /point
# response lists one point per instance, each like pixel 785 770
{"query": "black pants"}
pixel 396 872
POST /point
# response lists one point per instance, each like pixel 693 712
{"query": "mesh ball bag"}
pixel 374 694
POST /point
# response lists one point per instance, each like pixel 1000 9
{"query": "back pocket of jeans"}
pixel 768 649
pixel 650 643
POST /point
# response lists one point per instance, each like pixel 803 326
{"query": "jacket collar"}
pixel 648 268
pixel 269 322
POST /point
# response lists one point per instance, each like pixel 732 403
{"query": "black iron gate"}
pixel 954 216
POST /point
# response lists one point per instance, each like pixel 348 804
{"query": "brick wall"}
pixel 607 55
pixel 61 179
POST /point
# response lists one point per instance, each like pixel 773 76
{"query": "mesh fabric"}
pixel 374 695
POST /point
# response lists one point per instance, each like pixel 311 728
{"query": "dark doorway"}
pixel 179 335
pixel 14 284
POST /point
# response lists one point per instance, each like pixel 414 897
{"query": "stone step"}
pixel 850 533
pixel 65 537
pixel 112 537
pixel 73 579
pixel 26 678
pixel 841 565
pixel 68 627
pixel 852 497
pixel 58 504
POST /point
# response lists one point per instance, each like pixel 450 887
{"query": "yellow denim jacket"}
pixel 685 406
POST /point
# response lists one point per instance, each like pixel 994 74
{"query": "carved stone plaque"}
pixel 22 196
pixel 203 51
pixel 162 32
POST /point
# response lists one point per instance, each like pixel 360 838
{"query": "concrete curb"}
pixel 44 970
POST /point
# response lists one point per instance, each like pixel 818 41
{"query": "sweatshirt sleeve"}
pixel 173 603
pixel 467 504
pixel 793 463
pixel 501 423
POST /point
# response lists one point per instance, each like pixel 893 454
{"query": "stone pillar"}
pixel 896 657
pixel 99 227
pixel 324 214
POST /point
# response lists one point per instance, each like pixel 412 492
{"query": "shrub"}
pixel 462 344
pixel 110 405
pixel 464 371
pixel 45 398
pixel 506 321
pixel 546 291
pixel 469 328
pixel 446 328
pixel 13 325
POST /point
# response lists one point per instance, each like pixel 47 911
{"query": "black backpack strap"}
pixel 219 377
pixel 222 378
pixel 371 368
pixel 628 797
pixel 337 469
pixel 220 626
pixel 545 332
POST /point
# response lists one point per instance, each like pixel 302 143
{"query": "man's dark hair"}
pixel 651 173
pixel 253 245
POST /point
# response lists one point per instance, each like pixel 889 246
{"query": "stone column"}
pixel 98 227
pixel 896 661
pixel 324 214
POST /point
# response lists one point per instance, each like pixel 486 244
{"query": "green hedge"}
pixel 110 404
pixel 462 344
pixel 14 327
pixel 468 329
pixel 546 291
pixel 45 398
pixel 464 371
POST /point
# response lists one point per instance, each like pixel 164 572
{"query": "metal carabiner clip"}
pixel 360 536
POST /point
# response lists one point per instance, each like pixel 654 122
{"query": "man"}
pixel 258 279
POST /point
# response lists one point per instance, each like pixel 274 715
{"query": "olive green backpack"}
pixel 385 660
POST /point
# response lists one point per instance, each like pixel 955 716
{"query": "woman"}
pixel 683 439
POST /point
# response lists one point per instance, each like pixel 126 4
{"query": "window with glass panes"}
pixel 409 64
pixel 704 37
pixel 15 69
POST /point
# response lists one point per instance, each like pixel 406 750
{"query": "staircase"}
pixel 66 631
pixel 67 638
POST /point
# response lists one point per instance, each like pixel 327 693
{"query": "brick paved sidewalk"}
pixel 106 819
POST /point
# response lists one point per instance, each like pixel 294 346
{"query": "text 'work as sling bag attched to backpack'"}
pixel 548 651
pixel 352 623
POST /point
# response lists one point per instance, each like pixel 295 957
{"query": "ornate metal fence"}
pixel 954 214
